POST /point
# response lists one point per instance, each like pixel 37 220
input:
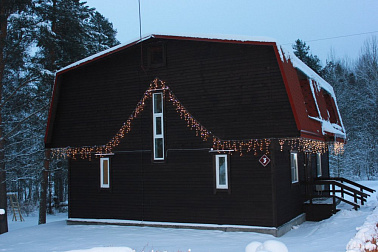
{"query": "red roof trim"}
pixel 286 82
pixel 312 135
pixel 231 41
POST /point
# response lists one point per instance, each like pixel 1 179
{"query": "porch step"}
pixel 333 191
pixel 320 209
pixel 323 201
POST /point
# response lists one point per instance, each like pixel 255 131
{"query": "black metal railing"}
pixel 343 187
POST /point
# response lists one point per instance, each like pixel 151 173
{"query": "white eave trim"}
pixel 104 154
pixel 219 151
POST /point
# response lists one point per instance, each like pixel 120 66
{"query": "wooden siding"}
pixel 288 195
pixel 179 190
pixel 291 196
pixel 236 91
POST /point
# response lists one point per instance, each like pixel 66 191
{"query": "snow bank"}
pixel 267 246
pixel 366 234
pixel 2 211
pixel 252 246
pixel 104 249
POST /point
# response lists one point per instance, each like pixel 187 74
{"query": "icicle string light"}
pixel 241 146
pixel 338 148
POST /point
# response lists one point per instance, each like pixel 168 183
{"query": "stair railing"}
pixel 339 185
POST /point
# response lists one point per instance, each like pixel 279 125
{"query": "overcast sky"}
pixel 338 25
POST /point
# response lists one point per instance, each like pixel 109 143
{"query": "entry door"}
pixel 308 174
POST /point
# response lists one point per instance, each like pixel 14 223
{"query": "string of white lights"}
pixel 240 146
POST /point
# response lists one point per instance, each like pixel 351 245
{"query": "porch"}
pixel 326 193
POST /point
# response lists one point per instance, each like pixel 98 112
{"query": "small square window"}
pixel 294 167
pixel 104 173
pixel 156 55
pixel 221 171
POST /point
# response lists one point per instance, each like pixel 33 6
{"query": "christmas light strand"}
pixel 239 146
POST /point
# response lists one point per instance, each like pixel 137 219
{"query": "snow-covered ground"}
pixel 331 235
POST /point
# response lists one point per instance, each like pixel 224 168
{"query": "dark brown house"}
pixel 219 131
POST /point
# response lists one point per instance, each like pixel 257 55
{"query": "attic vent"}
pixel 156 55
pixel 309 98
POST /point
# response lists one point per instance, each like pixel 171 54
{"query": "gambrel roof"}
pixel 312 99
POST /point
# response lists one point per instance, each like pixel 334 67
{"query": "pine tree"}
pixel 355 86
pixel 340 75
pixel 69 31
pixel 366 72
pixel 14 74
pixel 37 37
pixel 101 35
pixel 302 51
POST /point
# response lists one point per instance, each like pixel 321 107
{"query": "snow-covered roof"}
pixel 311 74
pixel 320 83
pixel 329 127
pixel 94 56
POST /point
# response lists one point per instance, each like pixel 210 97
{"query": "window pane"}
pixel 158 126
pixel 156 55
pixel 158 103
pixel 105 172
pixel 222 171
pixel 293 176
pixel 294 167
pixel 319 164
pixel 158 147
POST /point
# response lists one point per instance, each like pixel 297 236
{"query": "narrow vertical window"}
pixel 319 164
pixel 158 126
pixel 221 171
pixel 294 167
pixel 104 173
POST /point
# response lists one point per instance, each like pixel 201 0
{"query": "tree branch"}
pixel 15 91
pixel 25 119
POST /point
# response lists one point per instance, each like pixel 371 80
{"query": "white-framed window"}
pixel 158 126
pixel 319 164
pixel 294 167
pixel 105 172
pixel 221 171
